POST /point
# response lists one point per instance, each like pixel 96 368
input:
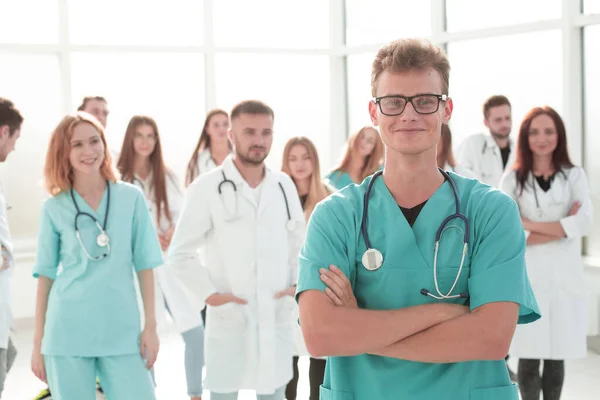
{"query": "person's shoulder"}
pixel 475 138
pixel 52 202
pixel 483 200
pixel 575 172
pixel 346 202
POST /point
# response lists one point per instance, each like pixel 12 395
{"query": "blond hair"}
pixel 317 190
pixel 405 55
pixel 372 162
pixel 58 171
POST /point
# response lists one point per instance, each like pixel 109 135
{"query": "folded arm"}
pixel 330 330
pixel 540 238
pixel 484 334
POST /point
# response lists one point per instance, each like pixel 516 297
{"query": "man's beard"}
pixel 247 160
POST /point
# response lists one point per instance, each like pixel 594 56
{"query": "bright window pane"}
pixel 41 110
pixel 29 21
pixel 271 23
pixel 464 15
pixel 136 22
pixel 359 90
pixel 166 87
pixel 591 6
pixel 381 21
pixel 592 127
pixel 527 68
pixel 295 86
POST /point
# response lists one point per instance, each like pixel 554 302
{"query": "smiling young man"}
pixel 408 319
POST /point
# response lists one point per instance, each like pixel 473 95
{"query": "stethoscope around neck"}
pixel 372 259
pixel 290 224
pixel 102 240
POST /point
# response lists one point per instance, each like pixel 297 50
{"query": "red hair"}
pixel 58 171
pixel 524 161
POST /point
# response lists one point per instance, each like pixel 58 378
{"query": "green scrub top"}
pixel 338 179
pixel 493 271
pixel 92 306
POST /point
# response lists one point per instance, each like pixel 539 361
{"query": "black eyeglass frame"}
pixel 409 99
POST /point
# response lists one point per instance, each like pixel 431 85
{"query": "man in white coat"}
pixel 488 155
pixel 10 131
pixel 249 222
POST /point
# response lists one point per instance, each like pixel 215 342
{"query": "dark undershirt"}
pixel 505 152
pixel 411 214
pixel 545 184
pixel 303 200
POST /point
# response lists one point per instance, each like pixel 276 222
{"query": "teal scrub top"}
pixel 493 271
pixel 92 306
pixel 338 179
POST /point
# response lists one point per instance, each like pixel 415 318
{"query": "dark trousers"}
pixel 316 373
pixel 550 382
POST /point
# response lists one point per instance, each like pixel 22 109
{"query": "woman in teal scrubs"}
pixel 363 156
pixel 416 320
pixel 87 320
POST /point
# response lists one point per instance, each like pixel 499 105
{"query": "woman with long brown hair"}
pixel 363 157
pixel 556 211
pixel 301 162
pixel 213 145
pixel 141 162
pixel 445 155
pixel 94 233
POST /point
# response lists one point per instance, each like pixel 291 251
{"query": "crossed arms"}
pixel 333 325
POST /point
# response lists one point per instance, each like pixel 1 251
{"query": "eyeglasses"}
pixel 422 103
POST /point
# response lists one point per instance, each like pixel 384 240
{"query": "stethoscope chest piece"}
pixel 290 225
pixel 372 259
pixel 102 239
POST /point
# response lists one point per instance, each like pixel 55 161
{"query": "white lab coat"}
pixel 480 154
pixel 460 170
pixel 254 257
pixel 205 162
pixel 167 287
pixel 6 316
pixel 555 269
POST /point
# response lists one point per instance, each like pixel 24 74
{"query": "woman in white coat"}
pixel 141 162
pixel 301 162
pixel 556 211
pixel 212 148
pixel 445 155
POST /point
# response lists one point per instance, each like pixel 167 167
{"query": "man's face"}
pixel 252 136
pixel 499 121
pixel 7 141
pixel 98 109
pixel 410 133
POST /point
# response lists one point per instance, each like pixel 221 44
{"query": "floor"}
pixel 582 376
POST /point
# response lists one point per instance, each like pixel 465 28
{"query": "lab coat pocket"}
pixel 495 393
pixel 329 394
pixel 227 319
pixel 286 311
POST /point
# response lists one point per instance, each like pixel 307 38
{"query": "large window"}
pixel 295 86
pixel 380 21
pixel 29 21
pixel 135 22
pixel 41 109
pixel 166 87
pixel 272 23
pixel 359 90
pixel 527 68
pixel 464 15
pixel 592 128
pixel 591 6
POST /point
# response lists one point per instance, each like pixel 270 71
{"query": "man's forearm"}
pixel 342 331
pixel 465 338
